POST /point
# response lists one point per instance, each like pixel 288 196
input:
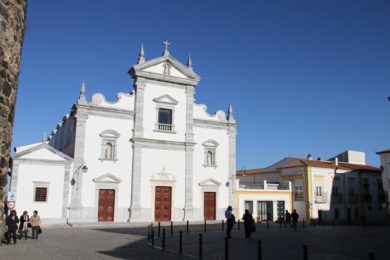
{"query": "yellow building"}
pixel 326 190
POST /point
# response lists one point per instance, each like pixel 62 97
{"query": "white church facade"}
pixel 153 155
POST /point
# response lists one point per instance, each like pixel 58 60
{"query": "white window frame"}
pixel 109 136
pixel 210 146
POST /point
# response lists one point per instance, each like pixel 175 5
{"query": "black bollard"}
pixel 152 236
pixel 200 246
pixel 223 225
pixel 259 254
pixel 238 226
pixel 280 223
pixel 267 224
pixel 226 248
pixel 149 234
pixel 188 225
pixel 181 242
pixel 303 223
pixel 163 239
pixel 158 230
pixel 333 224
pixel 171 228
pixel 205 226
pixel 371 255
pixel 305 257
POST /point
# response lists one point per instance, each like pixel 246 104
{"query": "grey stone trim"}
pixel 135 70
pixel 135 200
pixel 65 196
pixel 172 101
pixel 139 108
pixel 101 178
pixel 166 78
pixel 81 120
pixel 232 165
pixel 162 144
pixel 14 177
pixel 106 111
pixel 212 124
pixel 45 146
pixel 106 185
pixel 164 83
pixel 41 161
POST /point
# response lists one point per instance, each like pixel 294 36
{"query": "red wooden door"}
pixel 106 205
pixel 162 208
pixel 209 205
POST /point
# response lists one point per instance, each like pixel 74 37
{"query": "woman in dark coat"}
pixel 23 226
pixel 248 223
pixel 12 225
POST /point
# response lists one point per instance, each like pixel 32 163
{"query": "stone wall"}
pixel 12 27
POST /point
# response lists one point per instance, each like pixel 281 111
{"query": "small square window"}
pixel 40 194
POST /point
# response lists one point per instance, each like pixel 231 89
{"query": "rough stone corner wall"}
pixel 12 27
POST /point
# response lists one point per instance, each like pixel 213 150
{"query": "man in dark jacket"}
pixel 288 219
pixel 295 217
pixel 12 225
pixel 249 224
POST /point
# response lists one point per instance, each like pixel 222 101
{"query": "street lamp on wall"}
pixel 76 173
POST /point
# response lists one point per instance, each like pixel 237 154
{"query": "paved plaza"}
pixel 125 242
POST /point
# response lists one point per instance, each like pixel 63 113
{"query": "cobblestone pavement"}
pixel 124 242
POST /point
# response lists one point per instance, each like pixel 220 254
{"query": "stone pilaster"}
pixel 189 153
pixel 232 133
pixel 65 196
pixel 135 200
pixel 14 178
pixel 75 205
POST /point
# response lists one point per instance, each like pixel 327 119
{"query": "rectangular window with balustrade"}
pixel 165 120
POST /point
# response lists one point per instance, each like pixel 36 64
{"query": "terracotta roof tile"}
pixel 249 172
pixel 384 151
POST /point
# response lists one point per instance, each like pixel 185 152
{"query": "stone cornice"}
pixel 105 111
pixel 213 124
pixel 18 161
pixel 162 144
pixel 165 78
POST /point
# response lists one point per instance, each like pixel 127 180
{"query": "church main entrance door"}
pixel 106 205
pixel 209 205
pixel 162 208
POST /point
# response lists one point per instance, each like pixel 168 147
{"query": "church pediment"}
pixel 165 68
pixel 166 99
pixel 43 152
pixel 210 183
pixel 107 178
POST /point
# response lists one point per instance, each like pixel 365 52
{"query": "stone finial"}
pixel 230 116
pixel 141 58
pixel 189 62
pixel 82 98
pixel 166 45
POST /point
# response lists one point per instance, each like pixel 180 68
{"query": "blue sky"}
pixel 302 76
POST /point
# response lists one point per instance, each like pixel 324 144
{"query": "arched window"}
pixel 210 158
pixel 210 149
pixel 109 142
pixel 108 151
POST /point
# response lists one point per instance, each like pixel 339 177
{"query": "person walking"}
pixel 230 219
pixel 35 222
pixel 12 225
pixel 288 219
pixel 23 226
pixel 249 224
pixel 295 217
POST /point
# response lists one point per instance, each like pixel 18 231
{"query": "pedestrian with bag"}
pixel 35 221
pixel 230 219
pixel 249 224
pixel 12 222
pixel 24 225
